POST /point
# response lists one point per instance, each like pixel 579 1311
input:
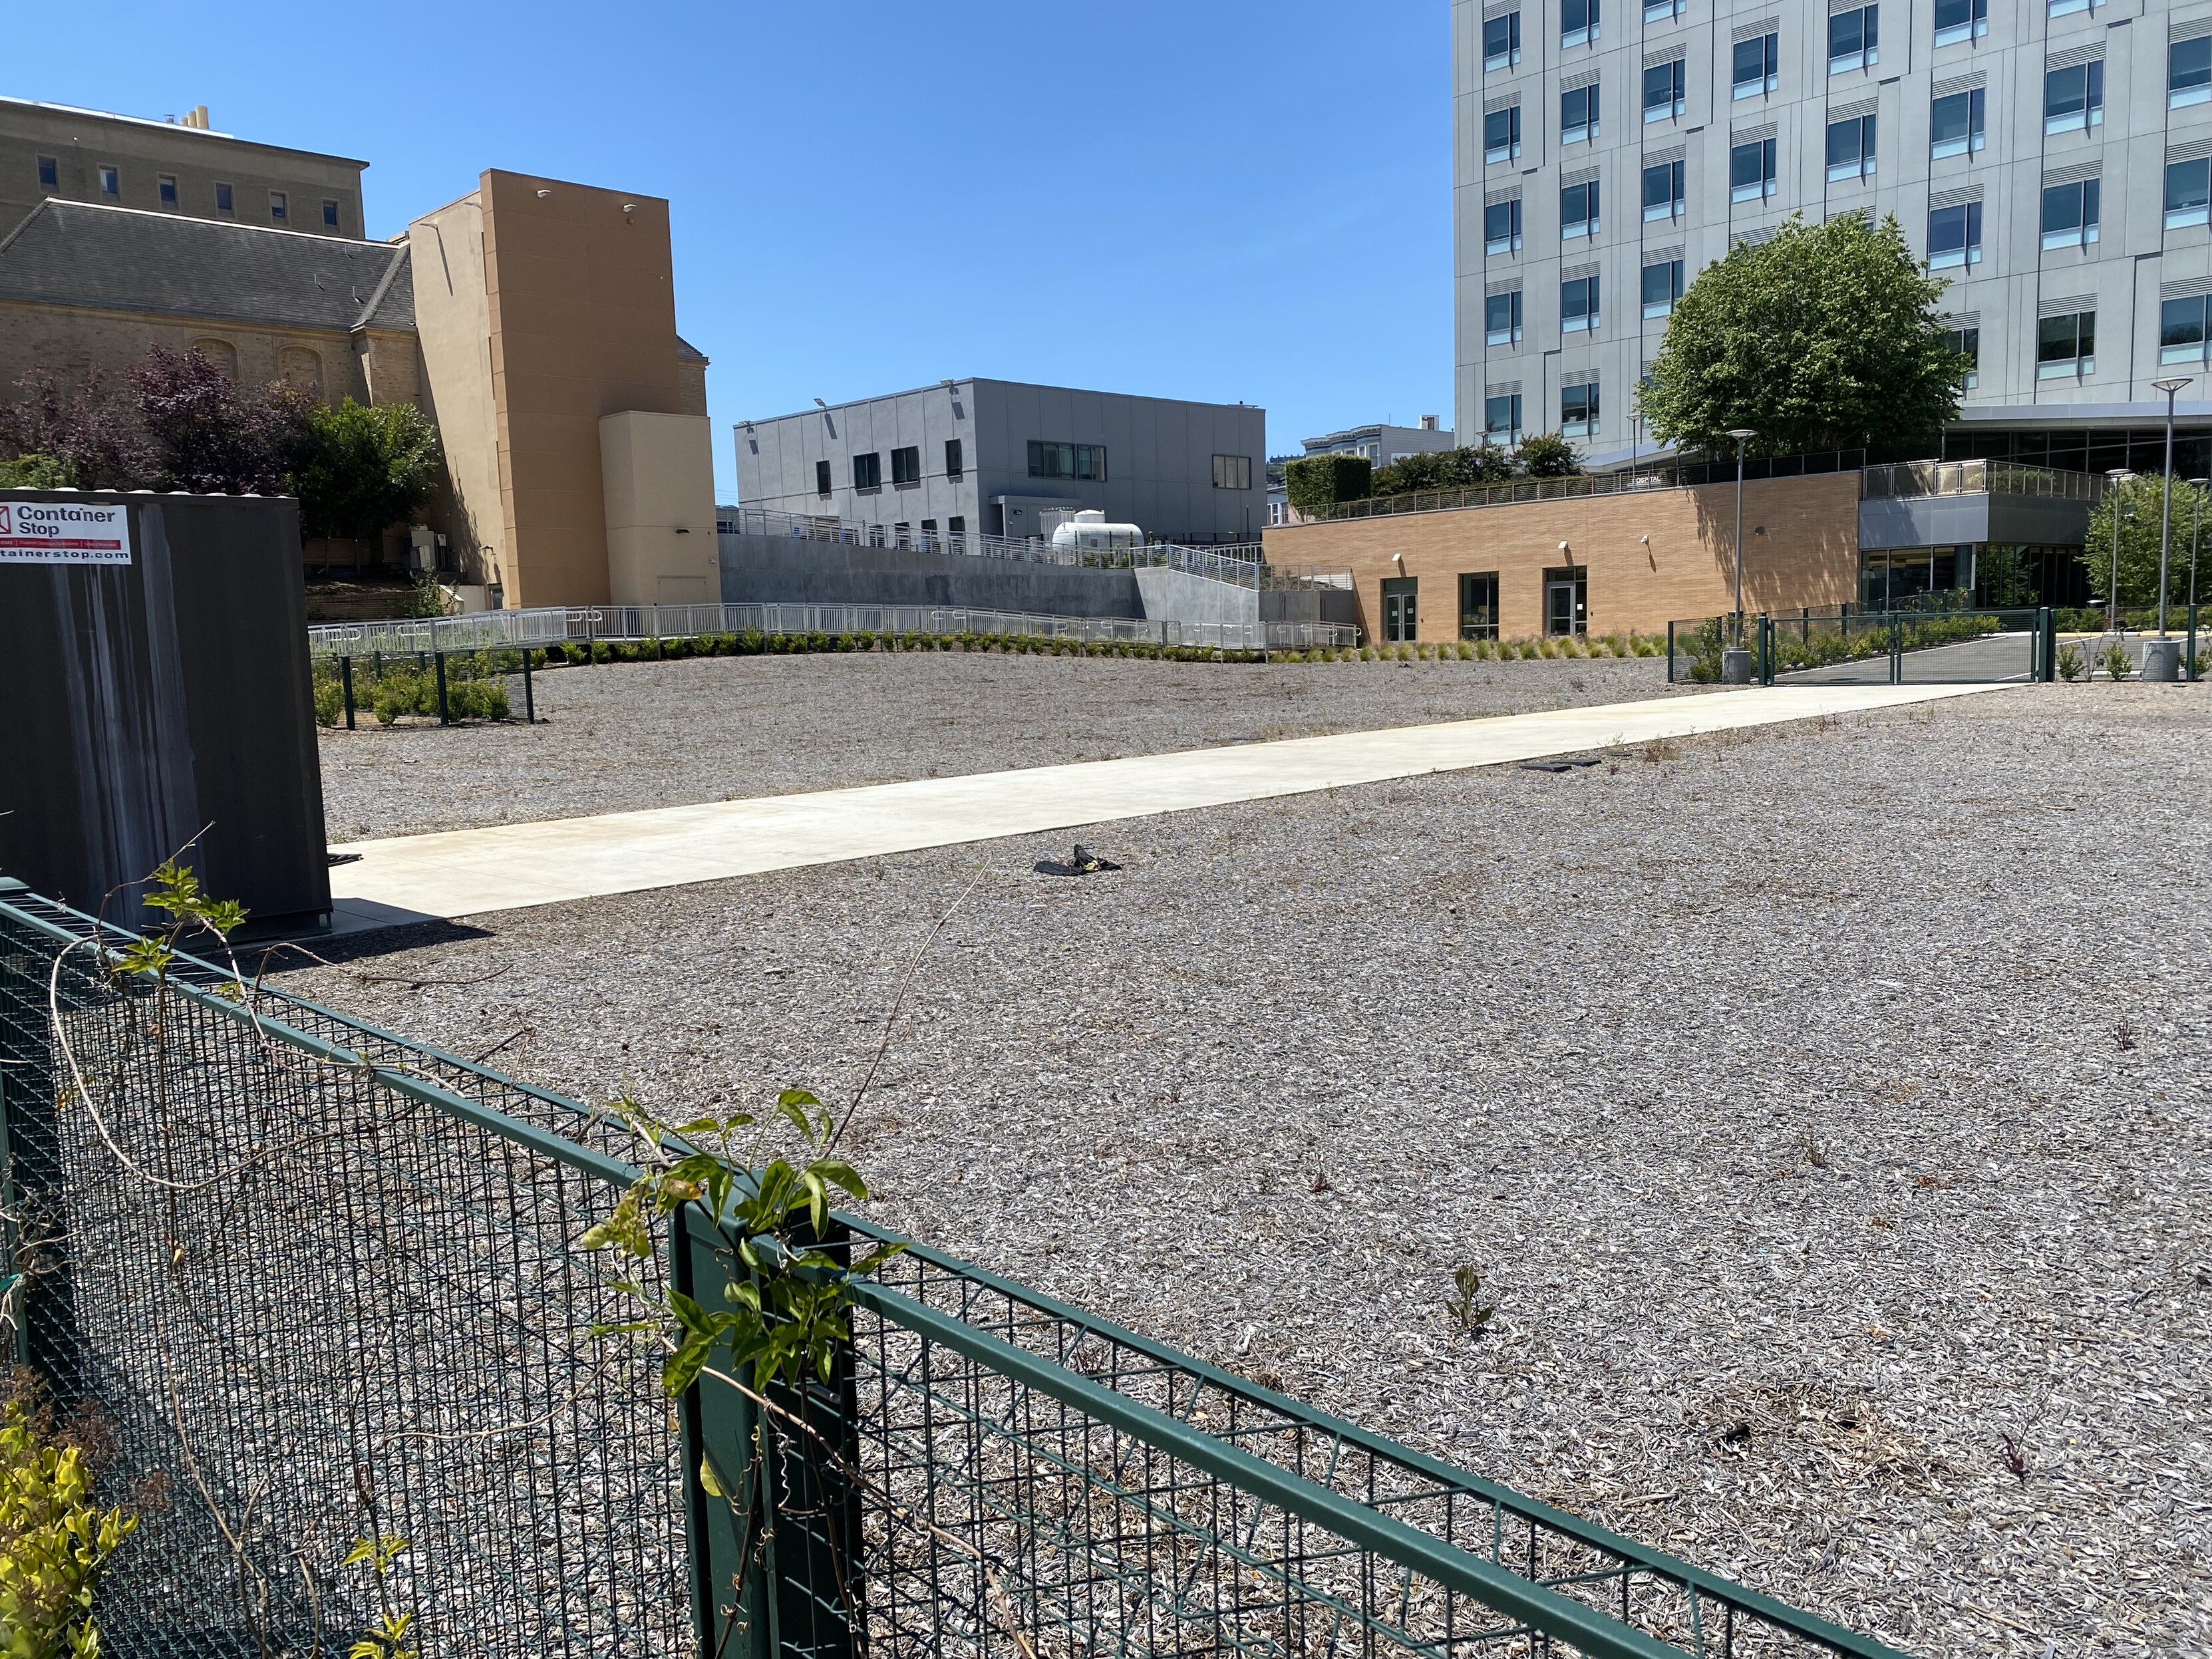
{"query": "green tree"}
pixel 2138 502
pixel 1547 455
pixel 1825 337
pixel 364 468
pixel 1443 469
pixel 1319 481
pixel 37 471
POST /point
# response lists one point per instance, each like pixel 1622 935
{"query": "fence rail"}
pixel 324 1282
pixel 1912 478
pixel 491 630
pixel 1243 564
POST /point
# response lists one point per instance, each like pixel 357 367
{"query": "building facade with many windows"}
pixel 2053 158
pixel 999 458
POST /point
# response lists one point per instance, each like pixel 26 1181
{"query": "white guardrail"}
pixel 492 630
pixel 1243 564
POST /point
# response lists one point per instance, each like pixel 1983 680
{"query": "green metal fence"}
pixel 318 1282
pixel 1847 646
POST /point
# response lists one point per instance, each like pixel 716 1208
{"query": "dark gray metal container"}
pixel 145 702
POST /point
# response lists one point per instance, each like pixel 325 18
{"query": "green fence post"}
pixel 1670 654
pixel 1765 650
pixel 2189 670
pixel 346 678
pixel 1896 649
pixel 774 1550
pixel 529 704
pixel 443 717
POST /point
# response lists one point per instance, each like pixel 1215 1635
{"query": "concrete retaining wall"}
pixel 1178 596
pixel 789 570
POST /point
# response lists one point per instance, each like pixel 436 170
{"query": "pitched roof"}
pixel 688 353
pixel 82 253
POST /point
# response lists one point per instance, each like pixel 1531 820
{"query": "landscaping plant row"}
pixel 390 687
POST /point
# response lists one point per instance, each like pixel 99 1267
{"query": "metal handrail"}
pixel 1907 479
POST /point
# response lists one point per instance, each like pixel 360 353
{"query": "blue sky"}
pixel 1217 199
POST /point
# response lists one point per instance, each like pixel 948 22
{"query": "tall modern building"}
pixel 2052 157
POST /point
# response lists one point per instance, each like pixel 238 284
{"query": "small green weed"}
pixel 1461 1305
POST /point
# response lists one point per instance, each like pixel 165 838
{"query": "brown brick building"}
pixel 1599 564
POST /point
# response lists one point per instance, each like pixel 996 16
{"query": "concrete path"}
pixel 468 873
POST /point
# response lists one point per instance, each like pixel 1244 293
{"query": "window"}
pixel 1501 134
pixel 902 535
pixel 277 207
pixel 1751 170
pixel 1578 22
pixel 1662 190
pixel 1662 11
pixel 1955 124
pixel 1850 148
pixel 329 214
pixel 109 183
pixel 1954 236
pixel 1401 623
pixel 1501 226
pixel 1232 471
pixel 955 460
pixel 955 526
pixel 1478 606
pixel 1577 305
pixel 2074 98
pixel 222 199
pixel 50 173
pixel 1501 418
pixel 1501 41
pixel 2061 7
pixel 1852 38
pixel 1664 88
pixel 1758 66
pixel 2188 193
pixel 2070 214
pixel 2189 72
pixel 1084 461
pixel 168 189
pixel 1578 209
pixel 2181 331
pixel 1967 342
pixel 1663 287
pixel 868 471
pixel 1578 409
pixel 2066 347
pixel 1578 115
pixel 906 465
pixel 1961 20
pixel 1501 318
pixel 822 478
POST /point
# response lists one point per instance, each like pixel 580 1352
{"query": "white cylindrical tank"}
pixel 1090 533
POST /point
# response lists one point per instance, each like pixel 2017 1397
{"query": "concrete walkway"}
pixel 468 872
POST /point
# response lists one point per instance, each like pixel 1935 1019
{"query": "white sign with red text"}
pixel 65 532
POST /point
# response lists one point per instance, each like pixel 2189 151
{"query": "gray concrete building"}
pixel 173 167
pixel 999 458
pixel 1382 443
pixel 2052 157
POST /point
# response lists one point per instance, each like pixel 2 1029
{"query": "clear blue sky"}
pixel 1216 199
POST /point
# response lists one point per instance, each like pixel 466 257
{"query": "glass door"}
pixel 1400 622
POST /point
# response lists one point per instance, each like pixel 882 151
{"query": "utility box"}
pixel 158 700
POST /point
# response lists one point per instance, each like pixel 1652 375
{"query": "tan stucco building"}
pixel 533 320
pixel 1596 564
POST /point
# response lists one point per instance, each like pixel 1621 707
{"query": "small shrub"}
pixel 54 1539
pixel 330 703
pixel 1531 649
pixel 2115 662
pixel 1465 1312
pixel 2073 664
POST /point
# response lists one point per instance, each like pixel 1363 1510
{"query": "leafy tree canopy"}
pixel 1444 468
pixel 1547 455
pixel 2138 502
pixel 366 468
pixel 1825 337
pixel 1318 481
pixel 211 436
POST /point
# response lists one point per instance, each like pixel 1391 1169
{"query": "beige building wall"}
pixel 658 481
pixel 581 285
pixel 453 321
pixel 1651 556
pixel 81 142
pixel 77 339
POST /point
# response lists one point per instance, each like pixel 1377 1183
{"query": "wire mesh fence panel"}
pixel 314 1282
pixel 306 1304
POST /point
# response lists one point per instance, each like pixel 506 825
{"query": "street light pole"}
pixel 2166 505
pixel 1740 434
pixel 2118 475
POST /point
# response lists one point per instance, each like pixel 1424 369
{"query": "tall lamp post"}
pixel 2166 505
pixel 1740 434
pixel 2118 475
